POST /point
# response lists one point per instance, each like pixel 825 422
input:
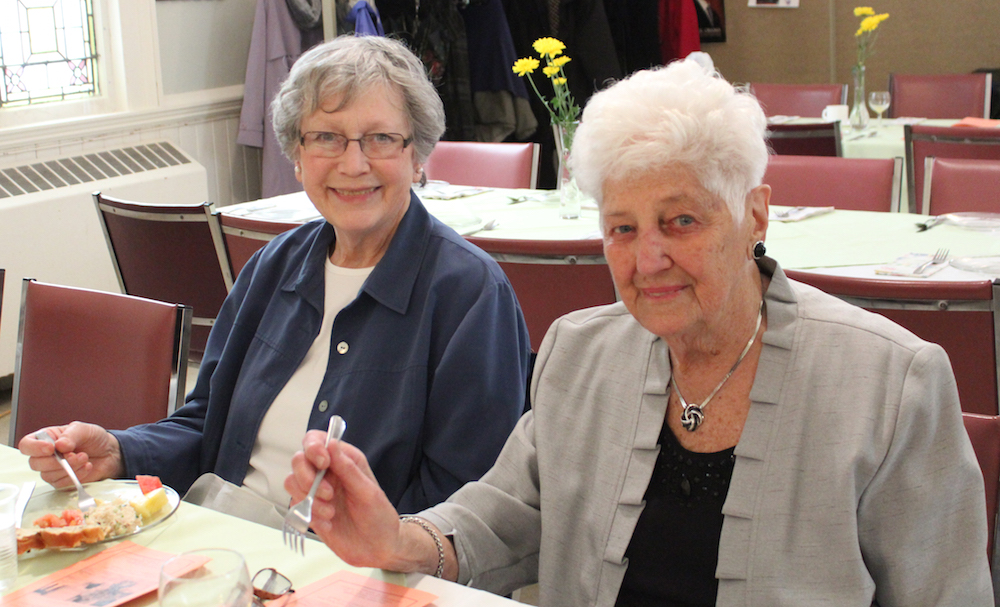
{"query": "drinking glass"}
pixel 878 101
pixel 222 581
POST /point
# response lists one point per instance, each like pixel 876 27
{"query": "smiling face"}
pixel 364 199
pixel 682 265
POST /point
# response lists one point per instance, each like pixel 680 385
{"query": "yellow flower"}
pixel 548 47
pixel 525 66
pixel 558 81
pixel 868 24
pixel 863 10
pixel 560 61
pixel 550 70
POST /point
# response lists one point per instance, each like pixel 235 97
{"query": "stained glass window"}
pixel 47 51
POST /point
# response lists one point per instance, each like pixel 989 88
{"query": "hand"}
pixel 92 451
pixel 351 513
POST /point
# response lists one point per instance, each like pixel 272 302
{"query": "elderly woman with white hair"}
pixel 376 312
pixel 722 436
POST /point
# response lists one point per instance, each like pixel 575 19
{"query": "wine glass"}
pixel 878 101
pixel 215 577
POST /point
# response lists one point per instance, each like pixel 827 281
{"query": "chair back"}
pixel 552 278
pixel 984 432
pixel 962 317
pixel 244 236
pixel 953 185
pixel 806 100
pixel 821 139
pixel 940 95
pixel 944 142
pixel 106 358
pixel 859 184
pixel 169 253
pixel 492 165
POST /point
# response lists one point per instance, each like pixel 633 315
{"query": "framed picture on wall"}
pixel 711 20
pixel 774 3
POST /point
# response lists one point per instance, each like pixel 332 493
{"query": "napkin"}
pixel 978 122
pixel 905 265
pixel 798 213
pixel 780 119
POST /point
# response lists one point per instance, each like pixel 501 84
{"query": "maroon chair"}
pixel 169 253
pixel 940 95
pixel 944 142
pixel 953 185
pixel 819 139
pixel 493 165
pixel 806 100
pixel 552 278
pixel 963 317
pixel 245 236
pixel 984 432
pixel 106 358
pixel 859 184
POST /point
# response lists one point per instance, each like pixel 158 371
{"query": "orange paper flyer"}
pixel 109 578
pixel 346 589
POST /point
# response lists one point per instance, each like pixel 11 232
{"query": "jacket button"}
pixel 323 406
pixel 342 347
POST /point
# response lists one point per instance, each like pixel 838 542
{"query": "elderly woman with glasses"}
pixel 378 313
pixel 723 435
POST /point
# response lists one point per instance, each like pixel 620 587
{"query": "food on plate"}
pixel 67 518
pixel 150 504
pixel 72 536
pixel 147 483
pixel 116 517
pixel 29 539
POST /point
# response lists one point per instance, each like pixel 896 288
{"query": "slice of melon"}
pixel 150 504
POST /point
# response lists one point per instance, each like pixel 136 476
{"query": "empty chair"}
pixel 984 432
pixel 953 185
pixel 244 236
pixel 552 278
pixel 807 100
pixel 170 253
pixel 859 184
pixel 940 95
pixel 493 165
pixel 106 358
pixel 962 317
pixel 822 139
pixel 944 142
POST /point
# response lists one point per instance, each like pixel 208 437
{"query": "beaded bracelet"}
pixel 434 536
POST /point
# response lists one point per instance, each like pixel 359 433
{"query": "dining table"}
pixel 857 243
pixel 193 527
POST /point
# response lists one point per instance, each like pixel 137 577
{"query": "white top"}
pixel 285 422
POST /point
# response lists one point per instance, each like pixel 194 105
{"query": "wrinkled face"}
pixel 362 197
pixel 678 258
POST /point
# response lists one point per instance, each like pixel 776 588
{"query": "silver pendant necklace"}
pixel 693 415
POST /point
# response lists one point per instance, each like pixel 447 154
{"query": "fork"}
pixel 85 500
pixel 940 257
pixel 930 223
pixel 293 530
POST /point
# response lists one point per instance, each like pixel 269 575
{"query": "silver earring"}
pixel 759 249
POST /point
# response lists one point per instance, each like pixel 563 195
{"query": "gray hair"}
pixel 680 114
pixel 348 66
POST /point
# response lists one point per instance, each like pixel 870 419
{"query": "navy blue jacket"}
pixel 431 383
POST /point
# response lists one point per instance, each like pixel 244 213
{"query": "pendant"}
pixel 692 417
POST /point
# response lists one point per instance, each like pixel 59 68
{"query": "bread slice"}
pixel 72 536
pixel 29 539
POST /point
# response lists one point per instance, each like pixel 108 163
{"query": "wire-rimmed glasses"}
pixel 879 101
pixel 268 585
pixel 377 146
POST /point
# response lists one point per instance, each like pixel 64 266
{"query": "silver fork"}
pixel 86 501
pixel 940 257
pixel 297 520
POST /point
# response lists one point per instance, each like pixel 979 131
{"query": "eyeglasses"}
pixel 268 585
pixel 377 146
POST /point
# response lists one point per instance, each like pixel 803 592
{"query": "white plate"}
pixel 49 500
pixel 986 222
pixel 983 265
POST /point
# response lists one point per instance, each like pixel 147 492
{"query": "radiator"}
pixel 49 227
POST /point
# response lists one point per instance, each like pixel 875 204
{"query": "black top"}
pixel 675 547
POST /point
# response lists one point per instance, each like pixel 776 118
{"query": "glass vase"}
pixel 570 198
pixel 859 116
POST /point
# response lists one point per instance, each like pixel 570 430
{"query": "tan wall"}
pixel 815 42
